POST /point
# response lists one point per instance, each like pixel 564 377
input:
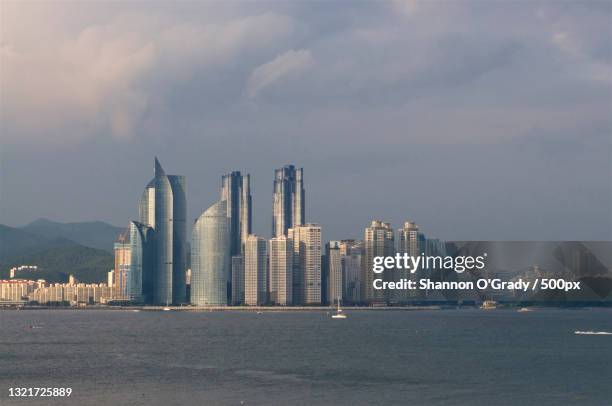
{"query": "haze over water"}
pixel 395 357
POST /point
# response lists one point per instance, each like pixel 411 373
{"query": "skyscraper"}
pixel 236 191
pixel 379 241
pixel 237 269
pixel 281 270
pixel 163 207
pixel 210 257
pixel 140 275
pixel 123 259
pixel 289 200
pixel 334 271
pixel 351 268
pixel 412 242
pixel 255 271
pixel 306 263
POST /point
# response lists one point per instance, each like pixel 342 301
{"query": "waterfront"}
pixel 445 357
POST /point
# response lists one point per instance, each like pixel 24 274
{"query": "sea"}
pixel 374 357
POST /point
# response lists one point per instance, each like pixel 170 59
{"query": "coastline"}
pixel 271 309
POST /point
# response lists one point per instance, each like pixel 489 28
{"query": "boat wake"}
pixel 595 333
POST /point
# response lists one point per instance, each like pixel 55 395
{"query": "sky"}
pixel 477 120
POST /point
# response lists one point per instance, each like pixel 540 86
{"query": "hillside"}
pixel 94 234
pixel 14 242
pixel 56 257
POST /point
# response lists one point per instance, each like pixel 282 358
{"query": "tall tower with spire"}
pixel 163 207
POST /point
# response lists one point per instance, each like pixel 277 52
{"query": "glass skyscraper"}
pixel 163 207
pixel 289 200
pixel 210 257
pixel 139 278
pixel 236 191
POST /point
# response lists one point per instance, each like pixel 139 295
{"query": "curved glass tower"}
pixel 163 207
pixel 210 257
pixel 140 271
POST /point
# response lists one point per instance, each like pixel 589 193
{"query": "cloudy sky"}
pixel 477 120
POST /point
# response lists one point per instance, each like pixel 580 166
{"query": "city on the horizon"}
pixel 218 261
pixel 232 266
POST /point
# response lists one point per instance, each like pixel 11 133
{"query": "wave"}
pixel 602 333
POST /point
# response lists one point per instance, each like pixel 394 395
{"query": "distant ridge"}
pixel 57 257
pixel 94 234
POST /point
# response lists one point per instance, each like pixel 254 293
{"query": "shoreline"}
pixel 270 309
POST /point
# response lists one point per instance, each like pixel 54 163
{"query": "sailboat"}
pixel 339 314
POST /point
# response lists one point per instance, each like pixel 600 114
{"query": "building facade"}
pixel 412 242
pixel 123 260
pixel 281 271
pixel 236 191
pixel 255 271
pixel 306 264
pixel 335 277
pixel 210 257
pixel 289 200
pixel 379 241
pixel 237 268
pixel 140 274
pixel 163 207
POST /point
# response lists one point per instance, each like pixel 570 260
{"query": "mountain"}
pixel 55 264
pixel 14 242
pixel 56 257
pixel 94 234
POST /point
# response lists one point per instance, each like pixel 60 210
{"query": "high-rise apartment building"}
pixel 236 191
pixel 306 263
pixel 335 277
pixel 289 200
pixel 255 271
pixel 281 270
pixel 163 207
pixel 210 257
pixel 237 280
pixel 351 269
pixel 123 259
pixel 379 241
pixel 412 242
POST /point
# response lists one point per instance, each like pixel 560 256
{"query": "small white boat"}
pixel 489 305
pixel 524 310
pixel 166 309
pixel 339 314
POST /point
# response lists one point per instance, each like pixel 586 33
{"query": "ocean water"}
pixel 447 357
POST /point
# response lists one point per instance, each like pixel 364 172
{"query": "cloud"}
pixel 284 66
pixel 106 78
pixel 128 71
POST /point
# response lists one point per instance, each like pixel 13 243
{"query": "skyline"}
pixel 396 110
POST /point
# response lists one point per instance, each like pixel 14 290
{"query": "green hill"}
pixel 14 241
pixel 94 234
pixel 56 257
